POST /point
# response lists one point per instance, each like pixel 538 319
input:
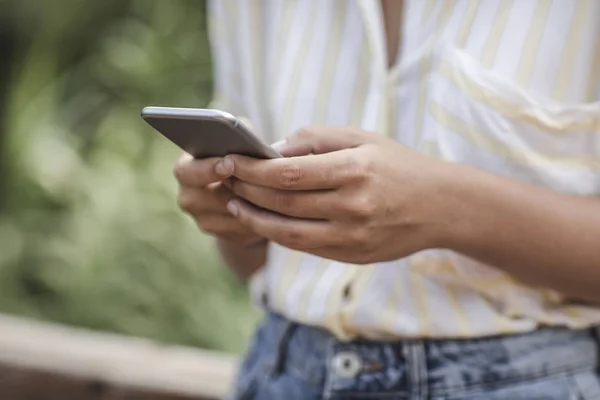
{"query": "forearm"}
pixel 244 260
pixel 537 235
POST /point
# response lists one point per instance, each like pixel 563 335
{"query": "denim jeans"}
pixel 290 361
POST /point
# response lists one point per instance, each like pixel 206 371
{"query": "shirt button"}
pixel 346 365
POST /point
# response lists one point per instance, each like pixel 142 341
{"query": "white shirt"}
pixel 511 87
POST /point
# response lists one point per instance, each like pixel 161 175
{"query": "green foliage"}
pixel 90 233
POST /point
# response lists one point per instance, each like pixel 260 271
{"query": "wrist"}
pixel 251 243
pixel 456 206
pixel 243 258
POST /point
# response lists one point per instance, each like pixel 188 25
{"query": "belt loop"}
pixel 281 350
pixel 415 354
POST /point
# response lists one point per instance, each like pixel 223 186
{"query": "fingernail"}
pixel 233 208
pixel 224 167
pixel 279 145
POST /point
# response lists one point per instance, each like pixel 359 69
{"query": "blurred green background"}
pixel 90 232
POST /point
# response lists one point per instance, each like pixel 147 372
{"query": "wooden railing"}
pixel 48 361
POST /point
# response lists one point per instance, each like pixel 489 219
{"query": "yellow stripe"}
pixel 333 305
pixel 361 86
pixel 484 141
pixel 307 292
pixel 532 43
pixel 485 287
pixel 283 33
pixel 360 280
pixel 223 16
pixel 462 321
pixel 230 11
pixel 488 289
pixel 425 68
pixel 432 149
pixel 393 305
pixel 292 92
pixel 256 19
pixel 495 35
pixel 391 114
pixel 289 272
pixel 417 282
pixel 529 115
pixel 427 10
pixel 573 313
pixel 593 86
pixel 323 103
pixel 466 24
pixel 452 291
pixel 571 50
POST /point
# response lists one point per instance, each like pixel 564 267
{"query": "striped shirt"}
pixel 511 87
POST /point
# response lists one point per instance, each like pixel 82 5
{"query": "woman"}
pixel 433 232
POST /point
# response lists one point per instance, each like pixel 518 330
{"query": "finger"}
pixel 300 204
pixel 294 233
pixel 223 225
pixel 343 254
pixel 313 172
pixel 210 199
pixel 198 173
pixel 320 140
pixel 290 150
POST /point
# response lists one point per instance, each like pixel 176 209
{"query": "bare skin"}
pixel 363 198
pixel 391 11
pixel 203 196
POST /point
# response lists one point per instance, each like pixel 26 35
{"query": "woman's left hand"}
pixel 344 194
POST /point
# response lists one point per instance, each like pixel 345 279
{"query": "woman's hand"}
pixel 203 196
pixel 358 198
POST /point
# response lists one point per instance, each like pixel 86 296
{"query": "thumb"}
pixel 320 140
pixel 291 150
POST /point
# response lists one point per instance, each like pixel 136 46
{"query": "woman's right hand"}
pixel 203 195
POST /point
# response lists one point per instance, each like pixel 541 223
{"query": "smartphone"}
pixel 207 133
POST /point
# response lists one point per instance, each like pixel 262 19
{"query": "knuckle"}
pixel 363 207
pixel 284 202
pixel 290 175
pixel 360 238
pixel 291 238
pixel 211 227
pixel 180 169
pixel 187 201
pixel 304 133
pixel 238 188
pixel 363 167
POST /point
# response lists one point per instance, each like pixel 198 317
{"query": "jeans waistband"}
pixel 440 366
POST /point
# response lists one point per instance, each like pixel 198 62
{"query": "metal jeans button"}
pixel 346 365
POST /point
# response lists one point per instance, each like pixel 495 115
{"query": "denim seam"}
pixel 415 359
pixel 327 389
pixel 423 387
pixel 281 348
pixel 412 372
pixel 487 385
pixel 378 395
